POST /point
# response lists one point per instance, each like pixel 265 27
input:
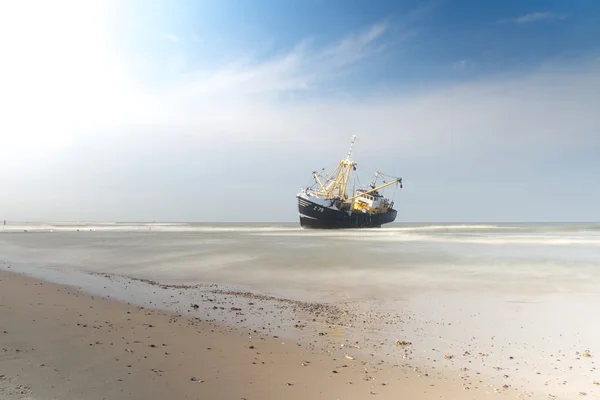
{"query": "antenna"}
pixel 377 173
pixel 351 146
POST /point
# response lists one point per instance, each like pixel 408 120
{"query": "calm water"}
pixel 286 260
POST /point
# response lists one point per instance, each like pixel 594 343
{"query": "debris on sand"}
pixel 331 311
pixel 587 354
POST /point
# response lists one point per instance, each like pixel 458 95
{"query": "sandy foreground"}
pixel 59 343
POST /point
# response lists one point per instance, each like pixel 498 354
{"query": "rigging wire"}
pixel 357 178
pixel 386 175
pixel 395 192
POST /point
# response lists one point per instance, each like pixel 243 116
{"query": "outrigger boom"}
pixel 397 180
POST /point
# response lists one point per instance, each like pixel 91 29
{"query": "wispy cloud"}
pixel 172 37
pixel 299 70
pixel 544 110
pixel 461 65
pixel 535 17
pixel 252 98
pixel 73 98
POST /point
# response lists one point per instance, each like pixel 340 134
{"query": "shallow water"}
pixel 287 260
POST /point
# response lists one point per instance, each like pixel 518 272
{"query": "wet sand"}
pixel 57 342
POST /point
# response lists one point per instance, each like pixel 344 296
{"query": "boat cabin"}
pixel 368 201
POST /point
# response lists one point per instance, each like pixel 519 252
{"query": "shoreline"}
pixel 60 342
pixel 428 338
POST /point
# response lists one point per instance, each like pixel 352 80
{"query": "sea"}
pixel 286 260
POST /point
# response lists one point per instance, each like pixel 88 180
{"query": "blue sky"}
pixel 424 39
pixel 187 110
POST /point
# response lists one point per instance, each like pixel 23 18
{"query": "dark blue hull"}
pixel 315 216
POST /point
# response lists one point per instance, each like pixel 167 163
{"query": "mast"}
pixel 351 146
pixel 377 173
pixel 336 184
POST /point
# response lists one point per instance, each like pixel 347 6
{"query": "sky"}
pixel 220 110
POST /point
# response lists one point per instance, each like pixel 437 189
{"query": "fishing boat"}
pixel 328 204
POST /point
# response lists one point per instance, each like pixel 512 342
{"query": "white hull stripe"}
pixel 306 216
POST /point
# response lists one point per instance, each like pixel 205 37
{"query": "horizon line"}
pixel 282 222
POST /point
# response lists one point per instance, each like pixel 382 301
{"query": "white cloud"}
pixel 536 17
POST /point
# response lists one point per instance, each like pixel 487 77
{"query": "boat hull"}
pixel 317 216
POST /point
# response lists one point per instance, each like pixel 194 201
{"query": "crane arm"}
pixel 398 180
